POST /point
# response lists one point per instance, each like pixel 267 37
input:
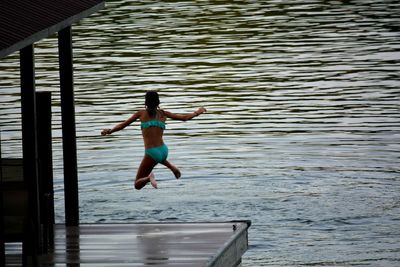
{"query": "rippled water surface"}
pixel 302 135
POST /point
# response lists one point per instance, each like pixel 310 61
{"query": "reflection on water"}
pixel 302 134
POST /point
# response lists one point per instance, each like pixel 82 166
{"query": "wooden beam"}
pixel 2 248
pixel 45 167
pixel 71 197
pixel 29 138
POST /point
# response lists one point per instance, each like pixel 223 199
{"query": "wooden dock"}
pixel 161 244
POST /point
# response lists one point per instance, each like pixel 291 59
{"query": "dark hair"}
pixel 152 101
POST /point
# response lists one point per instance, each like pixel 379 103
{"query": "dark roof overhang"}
pixel 24 22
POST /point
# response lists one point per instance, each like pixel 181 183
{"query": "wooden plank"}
pixel 161 244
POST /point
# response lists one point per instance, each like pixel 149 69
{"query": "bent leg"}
pixel 144 174
pixel 173 168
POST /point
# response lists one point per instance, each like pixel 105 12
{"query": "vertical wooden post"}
pixel 29 140
pixel 68 128
pixel 2 247
pixel 45 167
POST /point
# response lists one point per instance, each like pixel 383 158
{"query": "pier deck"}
pixel 161 244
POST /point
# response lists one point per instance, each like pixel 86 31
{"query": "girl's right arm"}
pixel 121 125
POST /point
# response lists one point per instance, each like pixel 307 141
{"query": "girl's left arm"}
pixel 121 125
pixel 185 117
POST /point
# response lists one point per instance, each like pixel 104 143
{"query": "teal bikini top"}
pixel 152 123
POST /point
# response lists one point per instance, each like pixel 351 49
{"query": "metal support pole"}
pixel 29 140
pixel 68 128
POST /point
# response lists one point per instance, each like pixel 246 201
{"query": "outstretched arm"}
pixel 121 125
pixel 185 117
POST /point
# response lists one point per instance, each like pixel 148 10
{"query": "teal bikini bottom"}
pixel 159 153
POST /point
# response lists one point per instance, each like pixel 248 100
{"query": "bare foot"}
pixel 176 172
pixel 153 180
